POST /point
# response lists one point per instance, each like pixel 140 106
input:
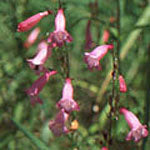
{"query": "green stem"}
pixel 147 105
pixel 38 143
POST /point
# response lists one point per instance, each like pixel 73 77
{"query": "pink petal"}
pixel 122 84
pixel 60 21
pixel 131 119
pixel 104 148
pixel 106 35
pixel 38 85
pixel 31 21
pixel 32 38
pixel 57 126
pixel 43 53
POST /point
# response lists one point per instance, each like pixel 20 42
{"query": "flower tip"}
pixel 111 46
pixel 53 72
pixel 122 110
pixel 68 80
pixel 145 132
pixel 19 28
pixel 104 148
pixel 60 10
pixel 50 12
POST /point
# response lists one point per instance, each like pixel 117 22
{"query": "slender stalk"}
pixel 147 103
pixel 119 33
pixel 38 143
pixel 143 20
pixel 67 64
pixel 60 5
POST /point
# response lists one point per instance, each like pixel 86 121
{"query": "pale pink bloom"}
pixel 38 85
pixel 67 102
pixel 122 84
pixel 104 148
pixel 105 37
pixel 88 36
pixel 138 130
pixel 31 21
pixel 32 37
pixel 60 35
pixel 43 52
pixel 57 126
pixel 92 59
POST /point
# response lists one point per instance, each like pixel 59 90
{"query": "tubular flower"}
pixel 67 102
pixel 31 21
pixel 105 37
pixel 104 148
pixel 38 85
pixel 138 130
pixel 57 126
pixel 92 59
pixel 122 84
pixel 88 36
pixel 32 37
pixel 44 51
pixel 60 35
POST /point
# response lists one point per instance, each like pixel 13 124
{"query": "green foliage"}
pixel 24 127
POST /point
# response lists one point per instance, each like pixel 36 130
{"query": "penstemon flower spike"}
pixel 138 131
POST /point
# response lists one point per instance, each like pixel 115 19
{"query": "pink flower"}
pixel 32 37
pixel 104 148
pixel 122 84
pixel 88 36
pixel 57 126
pixel 31 21
pixel 67 102
pixel 106 35
pixel 60 35
pixel 44 51
pixel 92 59
pixel 138 130
pixel 38 85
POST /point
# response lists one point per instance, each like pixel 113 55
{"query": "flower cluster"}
pixel 67 104
pixel 44 50
pixel 92 59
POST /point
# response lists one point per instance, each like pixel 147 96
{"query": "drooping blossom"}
pixel 57 126
pixel 88 36
pixel 32 37
pixel 122 84
pixel 105 36
pixel 38 85
pixel 32 21
pixel 43 52
pixel 67 102
pixel 138 130
pixel 104 148
pixel 92 59
pixel 60 35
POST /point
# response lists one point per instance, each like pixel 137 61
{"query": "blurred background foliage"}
pixel 29 127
